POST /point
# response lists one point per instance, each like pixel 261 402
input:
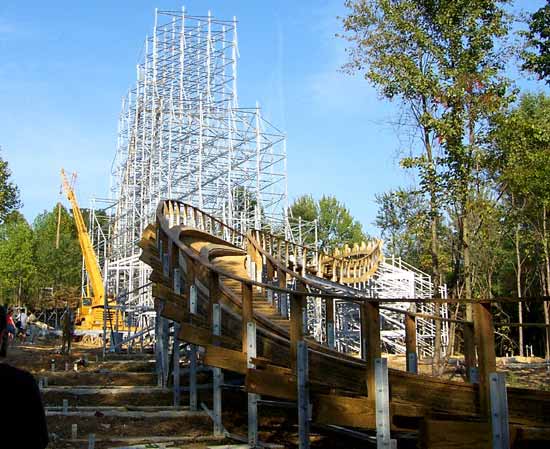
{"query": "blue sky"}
pixel 64 66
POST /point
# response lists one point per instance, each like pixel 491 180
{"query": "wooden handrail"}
pixel 323 293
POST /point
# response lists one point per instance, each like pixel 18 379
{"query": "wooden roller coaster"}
pixel 243 299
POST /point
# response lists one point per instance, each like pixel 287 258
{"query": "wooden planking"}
pixel 171 311
pixel 271 383
pixel 438 434
pixel 344 411
pixel 528 407
pixel 434 394
pixel 203 337
pixel 225 358
pixel 167 294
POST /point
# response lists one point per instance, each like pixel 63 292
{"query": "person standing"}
pixel 25 410
pixel 11 329
pixel 67 331
pixel 23 318
pixel 31 319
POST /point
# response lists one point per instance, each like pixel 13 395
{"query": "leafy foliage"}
pixel 57 267
pixel 537 52
pixel 9 193
pixel 17 269
pixel 335 224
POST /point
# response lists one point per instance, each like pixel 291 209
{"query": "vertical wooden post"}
pixel 370 339
pixel 270 276
pixel 485 338
pixel 410 344
pixel 247 312
pixel 213 291
pixel 297 302
pixel 472 374
pixel 329 322
pixel 283 305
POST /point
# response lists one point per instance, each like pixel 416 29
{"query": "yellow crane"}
pixel 97 297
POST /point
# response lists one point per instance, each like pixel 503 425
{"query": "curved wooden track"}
pixel 201 267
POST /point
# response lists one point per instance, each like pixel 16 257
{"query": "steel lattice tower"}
pixel 182 135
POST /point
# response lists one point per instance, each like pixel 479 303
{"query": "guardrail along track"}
pixel 242 298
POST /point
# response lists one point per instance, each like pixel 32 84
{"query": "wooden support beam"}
pixel 214 294
pixel 344 411
pixel 281 281
pixel 485 338
pixel 247 311
pixel 272 383
pixel 370 341
pixel 224 358
pixel 472 374
pixel 410 344
pixel 437 434
pixel 297 303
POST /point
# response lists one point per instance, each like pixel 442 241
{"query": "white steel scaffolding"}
pixel 182 135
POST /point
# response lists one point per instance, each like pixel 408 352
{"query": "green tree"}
pixel 393 46
pixel 17 270
pixel 60 267
pixel 443 60
pixel 9 193
pixel 536 54
pixel 403 219
pixel 521 164
pixel 335 224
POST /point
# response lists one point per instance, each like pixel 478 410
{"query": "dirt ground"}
pixel 277 425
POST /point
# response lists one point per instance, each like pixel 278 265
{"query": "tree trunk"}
pixel 434 244
pixel 547 271
pixel 518 287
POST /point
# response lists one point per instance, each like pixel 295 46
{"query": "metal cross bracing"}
pixel 394 278
pixel 183 135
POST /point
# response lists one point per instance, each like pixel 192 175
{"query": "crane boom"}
pixel 90 260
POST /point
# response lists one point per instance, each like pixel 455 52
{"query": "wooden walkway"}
pixel 243 298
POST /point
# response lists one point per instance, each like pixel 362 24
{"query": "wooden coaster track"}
pixel 242 298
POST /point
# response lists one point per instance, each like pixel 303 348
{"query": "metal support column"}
pixel 499 411
pixel 165 324
pixel 159 345
pixel 192 355
pixel 252 397
pixel 382 404
pixel 176 371
pixel 217 376
pixel 303 395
